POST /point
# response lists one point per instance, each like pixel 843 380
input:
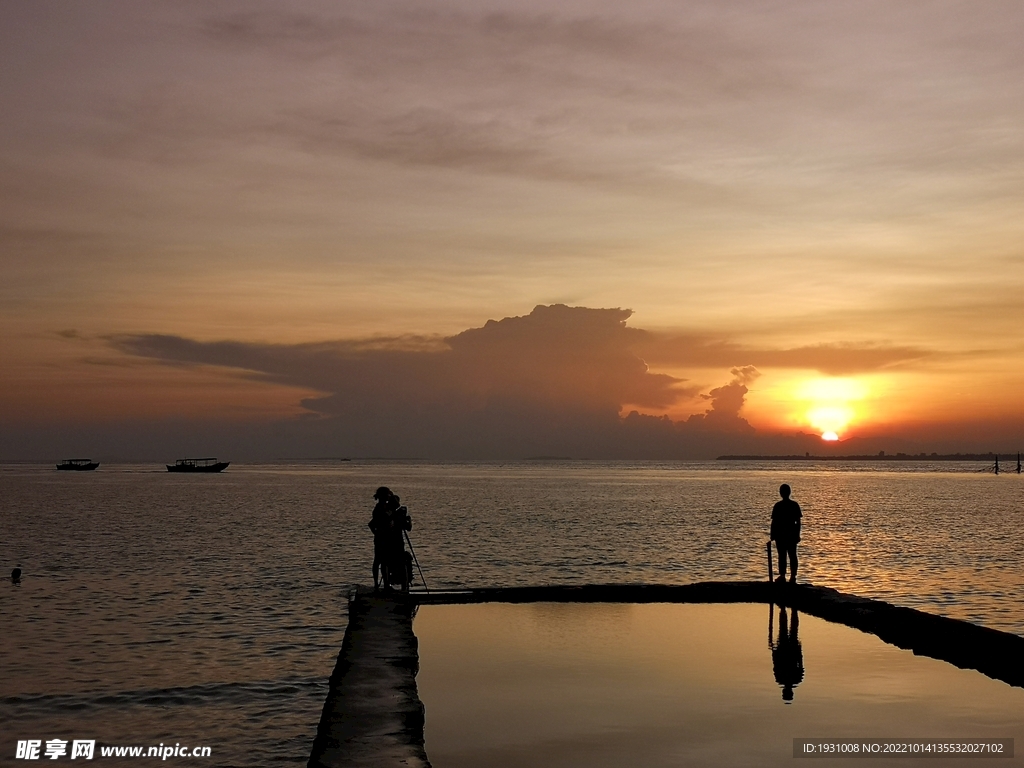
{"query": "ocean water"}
pixel 209 610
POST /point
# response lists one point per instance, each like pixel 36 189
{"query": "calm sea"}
pixel 209 610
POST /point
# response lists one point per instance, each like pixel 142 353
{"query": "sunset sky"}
pixel 276 230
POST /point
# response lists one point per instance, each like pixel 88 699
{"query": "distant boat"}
pixel 197 465
pixel 78 465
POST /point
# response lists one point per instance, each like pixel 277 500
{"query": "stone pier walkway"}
pixel 373 716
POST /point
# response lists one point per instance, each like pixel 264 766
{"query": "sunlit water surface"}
pixel 160 608
pixel 605 686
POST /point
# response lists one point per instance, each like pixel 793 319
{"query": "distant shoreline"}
pixel 880 457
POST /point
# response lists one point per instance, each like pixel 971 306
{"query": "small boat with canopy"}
pixel 78 465
pixel 198 465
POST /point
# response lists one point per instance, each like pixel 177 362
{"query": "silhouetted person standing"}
pixel 786 516
pixel 787 655
pixel 380 524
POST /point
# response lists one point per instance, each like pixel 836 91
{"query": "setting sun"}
pixel 830 405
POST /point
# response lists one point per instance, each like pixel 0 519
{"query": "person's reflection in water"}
pixel 787 655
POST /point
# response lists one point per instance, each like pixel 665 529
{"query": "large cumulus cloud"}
pixel 560 380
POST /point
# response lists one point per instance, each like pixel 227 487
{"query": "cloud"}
pixel 578 48
pixel 428 136
pixel 507 92
pixel 558 356
pixel 501 90
pixel 555 381
pixel 676 350
pixel 294 32
pixel 726 402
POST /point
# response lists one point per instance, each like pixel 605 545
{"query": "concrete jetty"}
pixel 373 715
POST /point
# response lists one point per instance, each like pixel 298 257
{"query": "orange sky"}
pixel 830 194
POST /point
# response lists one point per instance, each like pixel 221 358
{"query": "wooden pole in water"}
pixel 768 549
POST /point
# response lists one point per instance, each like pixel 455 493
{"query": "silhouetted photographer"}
pixel 390 521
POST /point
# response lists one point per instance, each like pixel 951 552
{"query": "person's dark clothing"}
pixel 398 523
pixel 401 518
pixel 785 531
pixel 380 523
pixel 786 516
pixel 786 550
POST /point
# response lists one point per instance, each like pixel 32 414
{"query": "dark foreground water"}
pixel 209 610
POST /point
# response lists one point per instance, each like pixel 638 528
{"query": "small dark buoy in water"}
pixel 16 576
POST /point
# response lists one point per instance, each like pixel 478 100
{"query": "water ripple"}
pixel 210 694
